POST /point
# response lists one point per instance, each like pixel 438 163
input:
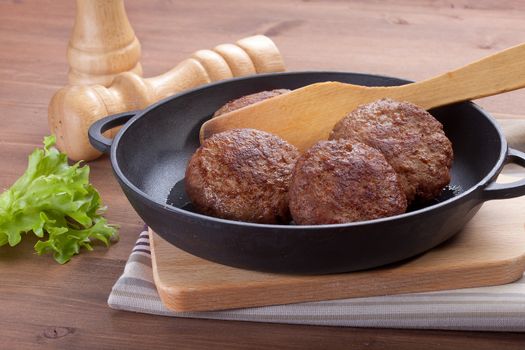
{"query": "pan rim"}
pixel 485 181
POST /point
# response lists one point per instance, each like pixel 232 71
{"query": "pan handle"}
pixel 508 190
pixel 96 130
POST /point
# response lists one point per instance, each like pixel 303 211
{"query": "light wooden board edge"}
pixel 182 299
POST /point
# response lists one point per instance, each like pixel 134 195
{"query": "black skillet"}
pixel 150 153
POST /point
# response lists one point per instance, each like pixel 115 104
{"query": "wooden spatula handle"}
pixel 501 72
pixel 306 115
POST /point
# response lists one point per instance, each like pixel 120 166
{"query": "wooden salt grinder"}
pixel 73 109
pixel 102 44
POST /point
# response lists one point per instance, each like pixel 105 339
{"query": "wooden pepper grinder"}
pixel 73 109
pixel 102 44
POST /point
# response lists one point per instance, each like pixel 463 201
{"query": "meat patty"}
pixel 410 138
pixel 242 174
pixel 340 181
pixel 248 100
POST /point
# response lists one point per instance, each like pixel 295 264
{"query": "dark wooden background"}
pixel 45 305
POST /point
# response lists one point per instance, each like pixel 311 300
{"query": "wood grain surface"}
pixel 47 306
pixel 490 250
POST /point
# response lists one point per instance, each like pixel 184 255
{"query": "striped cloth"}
pixel 497 308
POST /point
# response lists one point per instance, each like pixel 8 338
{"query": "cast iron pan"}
pixel 150 153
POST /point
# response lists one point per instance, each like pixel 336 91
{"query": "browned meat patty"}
pixel 337 182
pixel 249 100
pixel 411 140
pixel 242 174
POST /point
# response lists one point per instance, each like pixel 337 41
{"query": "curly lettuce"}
pixel 56 202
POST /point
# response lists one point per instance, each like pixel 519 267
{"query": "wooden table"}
pixel 45 305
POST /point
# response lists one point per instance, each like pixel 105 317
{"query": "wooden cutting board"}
pixel 489 251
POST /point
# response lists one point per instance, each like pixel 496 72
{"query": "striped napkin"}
pixel 497 308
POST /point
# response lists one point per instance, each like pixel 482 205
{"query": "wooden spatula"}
pixel 306 115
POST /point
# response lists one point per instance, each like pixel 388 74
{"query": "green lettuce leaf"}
pixel 56 202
